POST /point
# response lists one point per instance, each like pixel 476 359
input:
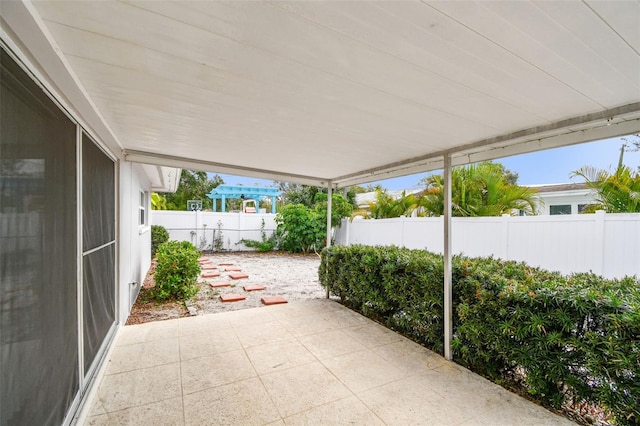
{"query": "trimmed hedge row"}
pixel 562 338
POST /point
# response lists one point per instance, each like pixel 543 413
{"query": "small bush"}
pixel 176 271
pixel 159 235
pixel 266 244
pixel 562 339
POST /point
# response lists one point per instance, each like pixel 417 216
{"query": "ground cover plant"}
pixel 564 340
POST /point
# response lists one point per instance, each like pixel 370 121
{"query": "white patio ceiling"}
pixel 341 92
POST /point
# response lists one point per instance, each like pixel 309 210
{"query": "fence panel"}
pixel 606 244
pixel 214 230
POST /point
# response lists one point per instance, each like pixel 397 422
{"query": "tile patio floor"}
pixel 312 362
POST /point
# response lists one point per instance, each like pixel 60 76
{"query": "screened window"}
pixel 38 253
pixel 560 209
pixel 144 196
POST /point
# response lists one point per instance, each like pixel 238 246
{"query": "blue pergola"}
pixel 222 192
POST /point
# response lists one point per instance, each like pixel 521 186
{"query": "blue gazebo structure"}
pixel 222 192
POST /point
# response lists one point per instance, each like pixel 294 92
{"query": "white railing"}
pixel 606 244
pixel 205 229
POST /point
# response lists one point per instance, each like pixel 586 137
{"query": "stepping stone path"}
pixel 217 285
pixel 211 274
pixel 232 297
pixel 207 266
pixel 254 287
pixel 238 276
pixel 273 300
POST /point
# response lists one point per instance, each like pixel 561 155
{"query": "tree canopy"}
pixel 193 186
pixel 482 189
pixel 617 192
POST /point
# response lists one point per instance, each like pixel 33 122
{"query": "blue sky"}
pixel 543 167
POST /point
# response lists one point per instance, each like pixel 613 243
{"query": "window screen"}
pixel 38 254
pixel 98 229
pixel 560 209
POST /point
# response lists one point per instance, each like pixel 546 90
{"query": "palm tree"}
pixel 616 193
pixel 483 189
pixel 386 206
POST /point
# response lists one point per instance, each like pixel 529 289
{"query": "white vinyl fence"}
pixel 209 230
pixel 606 244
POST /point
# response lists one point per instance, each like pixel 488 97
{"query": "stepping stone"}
pixel 273 300
pixel 254 287
pixel 217 285
pixel 204 260
pixel 232 297
pixel 225 264
pixel 211 274
pixel 238 276
pixel 232 269
pixel 208 266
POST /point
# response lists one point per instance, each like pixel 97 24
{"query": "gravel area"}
pixel 294 277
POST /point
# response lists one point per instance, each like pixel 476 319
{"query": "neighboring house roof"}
pixel 559 187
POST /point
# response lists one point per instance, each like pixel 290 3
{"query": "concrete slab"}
pixel 238 276
pixel 232 269
pixel 273 366
pixel 210 274
pixel 273 300
pixel 255 287
pixel 208 267
pixel 232 297
pixel 218 285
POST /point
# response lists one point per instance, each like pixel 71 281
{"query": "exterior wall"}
pixel 135 240
pixel 606 244
pixel 202 228
pixel 572 198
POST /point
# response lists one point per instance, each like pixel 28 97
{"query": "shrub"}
pixel 563 339
pixel 266 244
pixel 300 229
pixel 159 235
pixel 176 271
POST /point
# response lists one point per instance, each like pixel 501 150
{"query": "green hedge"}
pixel 177 271
pixel 561 338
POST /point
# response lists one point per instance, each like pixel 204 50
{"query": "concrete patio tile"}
pixel 516 411
pixel 407 402
pixel 457 383
pixel 138 387
pixel 97 409
pixel 246 317
pixel 202 324
pixel 410 357
pixel 208 343
pixel 345 319
pixel 138 333
pixel 349 410
pixel 301 388
pixel 146 354
pixel 241 403
pixel 372 334
pixel 306 325
pixel 168 412
pixel 259 334
pixel 215 370
pixel 278 356
pixel 330 344
pixel 362 370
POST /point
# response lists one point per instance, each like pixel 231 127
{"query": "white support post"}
pixel 329 201
pixel 448 286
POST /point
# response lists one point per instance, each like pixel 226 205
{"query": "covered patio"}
pixel 308 362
